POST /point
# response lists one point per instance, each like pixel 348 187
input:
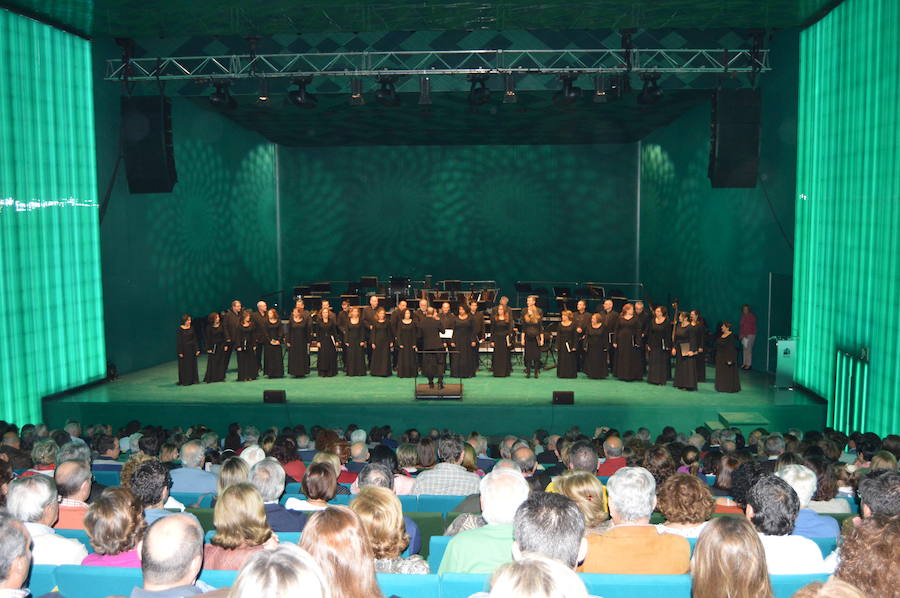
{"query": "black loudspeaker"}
pixel 274 396
pixel 147 135
pixel 563 397
pixel 734 141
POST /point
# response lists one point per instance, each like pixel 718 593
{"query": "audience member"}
pixel 588 494
pixel 286 570
pixel 378 475
pixel 73 482
pixel 268 477
pixel 686 503
pixel 427 451
pixel 43 458
pixel 252 454
pixel 191 477
pixel 359 456
pixel 825 499
pixel 285 452
pixel 115 525
pixel 15 556
pixel 729 560
pixel 403 482
pixel 614 461
pixel 658 461
pixel 524 457
pixel 171 557
pixel 408 458
pixel 447 477
pixel 241 528
pixel 552 525
pixel 582 457
pixel 107 449
pixel 536 576
pixel 33 501
pixel 879 494
pixel 808 523
pixel 833 588
pixel 870 557
pixel 319 485
pixel 233 470
pixel 381 514
pixel 334 462
pixel 6 476
pixel 11 446
pixel 151 483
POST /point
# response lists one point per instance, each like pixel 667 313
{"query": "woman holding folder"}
pixel 567 338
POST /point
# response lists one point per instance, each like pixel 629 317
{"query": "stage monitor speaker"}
pixel 147 136
pixel 563 397
pixel 734 141
pixel 274 396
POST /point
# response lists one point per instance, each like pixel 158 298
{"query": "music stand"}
pixel 562 292
pixel 368 282
pixel 313 302
pixel 323 288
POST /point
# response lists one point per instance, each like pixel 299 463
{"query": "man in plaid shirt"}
pixel 447 477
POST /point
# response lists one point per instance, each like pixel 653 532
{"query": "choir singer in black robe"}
pixel 355 344
pixel 245 349
pixel 659 346
pixel 327 341
pixel 567 339
pixel 596 355
pixel 187 349
pixel 502 331
pixel 274 362
pixel 407 335
pixel 727 378
pixel 381 340
pixel 216 349
pixel 298 338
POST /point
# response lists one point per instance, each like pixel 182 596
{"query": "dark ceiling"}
pixel 184 18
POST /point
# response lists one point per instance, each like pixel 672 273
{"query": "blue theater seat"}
pixel 285 537
pixel 438 503
pixel 42 579
pixel 77 534
pixel 107 478
pixel 191 499
pixel 409 586
pixel 75 581
pixel 437 546
pixel 460 585
pixel 637 586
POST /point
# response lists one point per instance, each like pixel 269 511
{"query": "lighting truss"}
pixel 451 62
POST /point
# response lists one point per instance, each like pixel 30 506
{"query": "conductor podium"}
pixel 450 392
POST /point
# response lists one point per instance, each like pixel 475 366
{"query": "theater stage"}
pixel 490 405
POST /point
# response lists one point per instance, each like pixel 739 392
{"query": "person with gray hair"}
pixel 612 448
pixel 448 477
pixel 286 570
pixel 74 451
pixel 633 546
pixel 808 523
pixel 583 457
pixel 483 549
pixel 359 457
pixel 191 477
pixel 15 556
pixel 773 446
pixel 171 557
pixel 535 576
pixel 550 524
pixel 524 457
pixel 73 482
pixel 33 501
pixel 268 476
pixel 43 457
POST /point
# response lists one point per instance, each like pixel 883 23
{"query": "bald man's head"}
pixel 612 446
pixel 172 553
pixel 73 480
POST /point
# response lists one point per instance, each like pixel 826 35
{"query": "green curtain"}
pixel 847 259
pixel 51 316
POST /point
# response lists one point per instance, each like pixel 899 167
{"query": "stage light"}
pixel 569 93
pixel 479 94
pixel 220 98
pixel 263 97
pixel 424 91
pixel 356 95
pixel 650 93
pixel 300 97
pixel 509 94
pixel 600 89
pixel 387 95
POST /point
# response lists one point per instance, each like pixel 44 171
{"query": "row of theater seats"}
pixel 75 581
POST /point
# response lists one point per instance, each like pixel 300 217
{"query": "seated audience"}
pixel 633 546
pixel 168 455
pixel 582 457
pixel 447 477
pixel 334 461
pixel 427 451
pixel 833 588
pixel 809 523
pixel 15 558
pixel 107 449
pixel 883 460
pixel 729 560
pixel 319 486
pixel 151 483
pixel 191 477
pixel 382 455
pixel 825 499
pixel 252 454
pixel 686 503
pixel 285 452
pixel 482 549
pixel 286 570
pixel 536 576
pixel 6 476
pixel 587 492
pixel 870 557
pixel 614 461
pixel 241 528
pixel 115 525
pixel 359 456
pixel 268 477
pixel 658 461
pixel 43 458
pixel 772 507
pixel 551 525
pixel 470 460
pixel 879 495
pixel 382 516
pixel 11 448
pixel 407 458
pixel 73 482
pixel 376 474
pixel 171 557
pixel 33 501
pixel 524 457
pixel 234 470
pixel 338 542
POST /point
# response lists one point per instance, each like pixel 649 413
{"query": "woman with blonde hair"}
pixel 588 493
pixel 536 576
pixel 234 471
pixel 381 514
pixel 729 560
pixel 241 528
pixel 470 459
pixel 686 503
pixel 115 525
pixel 283 572
pixel 337 540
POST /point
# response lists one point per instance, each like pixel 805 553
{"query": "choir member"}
pixel 504 301
pixel 368 312
pixel 629 366
pixel 259 325
pixel 643 317
pixel 532 339
pixel 698 325
pixel 298 338
pixel 567 339
pixel 531 303
pixel 422 312
pixel 683 350
pixel 407 335
pixel 502 339
pixel 610 319
pixel 216 349
pixel 433 361
pixel 344 315
pixel 478 327
pixel 462 362
pixel 187 350
pixel 659 344
pixel 274 334
pixel 327 336
pixel 596 359
pixel 245 347
pixel 446 316
pixel 727 378
pixel 232 322
pixel 381 338
pixel 582 319
pixel 398 315
pixel 355 344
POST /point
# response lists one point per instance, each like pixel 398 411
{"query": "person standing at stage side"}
pixel 629 366
pixel 187 349
pixel 355 335
pixel 567 339
pixel 245 347
pixel 643 317
pixel 596 358
pixel 462 363
pixel 297 340
pixel 407 338
pixel 610 320
pixel 659 346
pixel 684 351
pixel 433 361
pixel 231 322
pixel 381 339
pixel 582 320
pixel 727 377
pixel 216 349
pixel 259 325
pixel 478 328
pixel 502 338
pixel 747 334
pixel 698 325
pixel 532 338
pixel 274 335
pixel 327 342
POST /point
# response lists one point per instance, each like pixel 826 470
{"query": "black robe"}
pixel 462 363
pixel 596 357
pixel 217 354
pixel 685 366
pixel 245 346
pixel 274 357
pixel 186 346
pixel 328 339
pixel 355 349
pixel 298 338
pixel 532 332
pixel 381 337
pixel 407 337
pixel 629 365
pixel 727 376
pixel 659 352
pixel 231 322
pixel 502 337
pixel 433 361
pixel 566 345
pixel 699 332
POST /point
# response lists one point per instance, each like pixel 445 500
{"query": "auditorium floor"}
pixel 491 405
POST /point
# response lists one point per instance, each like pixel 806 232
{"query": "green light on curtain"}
pixel 51 328
pixel 847 258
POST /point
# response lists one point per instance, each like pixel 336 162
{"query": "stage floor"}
pixel 491 405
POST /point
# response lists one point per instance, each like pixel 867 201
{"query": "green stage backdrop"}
pixel 51 332
pixel 848 205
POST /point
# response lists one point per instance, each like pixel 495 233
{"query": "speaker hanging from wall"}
pixel 734 141
pixel 147 137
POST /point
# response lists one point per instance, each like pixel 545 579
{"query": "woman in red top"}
pixel 285 451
